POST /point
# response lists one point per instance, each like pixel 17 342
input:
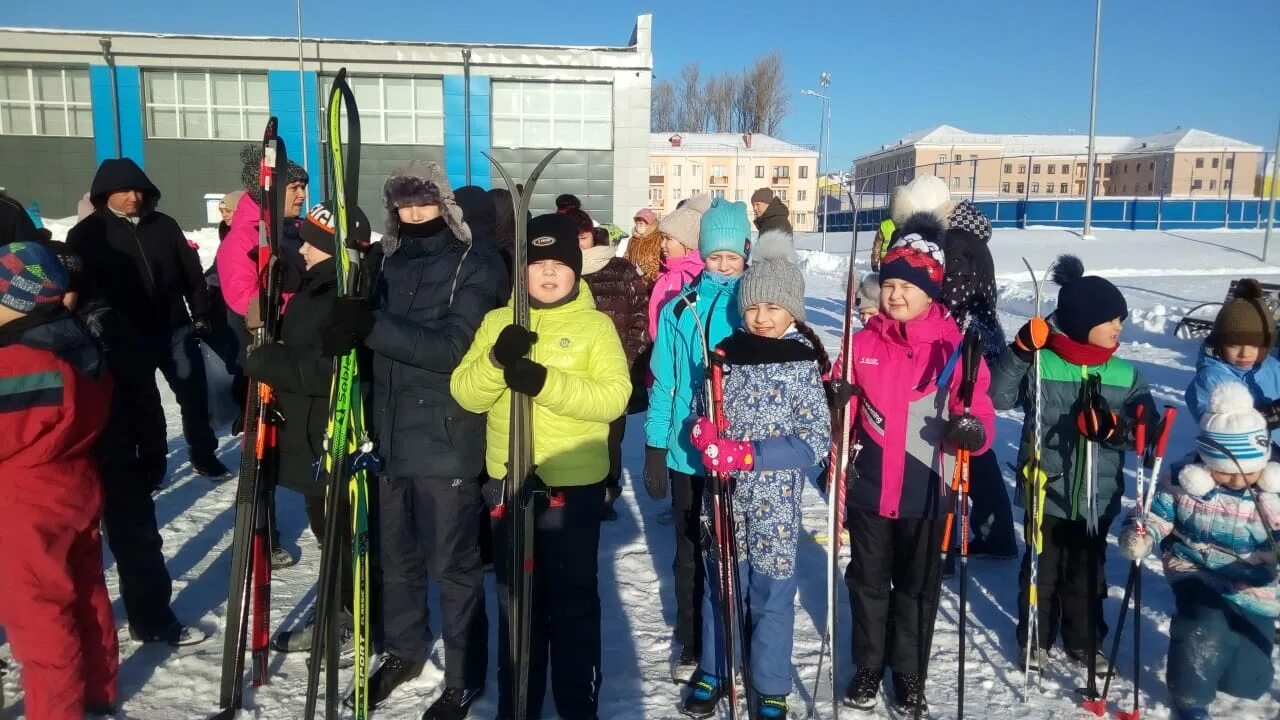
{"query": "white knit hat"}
pixel 1232 432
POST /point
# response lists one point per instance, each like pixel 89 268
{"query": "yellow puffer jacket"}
pixel 587 387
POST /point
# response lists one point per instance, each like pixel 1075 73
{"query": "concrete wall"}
pixel 185 170
pixel 54 171
pixel 586 173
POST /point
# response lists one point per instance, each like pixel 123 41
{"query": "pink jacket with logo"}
pixel 237 271
pixel 674 276
pixel 903 469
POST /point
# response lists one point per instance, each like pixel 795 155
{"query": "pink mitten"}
pixel 702 434
pixel 725 456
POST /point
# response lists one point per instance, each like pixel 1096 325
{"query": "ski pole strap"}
pixel 944 378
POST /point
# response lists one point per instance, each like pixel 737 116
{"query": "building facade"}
pixel 183 106
pixel 1182 163
pixel 732 166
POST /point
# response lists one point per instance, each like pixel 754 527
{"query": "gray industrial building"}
pixel 182 106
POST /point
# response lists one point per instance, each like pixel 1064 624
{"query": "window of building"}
pixel 801 218
pixel 694 169
pixel 1106 170
pixel 804 172
pixel 1079 170
pixel 1008 167
pixel 45 101
pixel 1035 187
pixel 942 158
pixel 400 110
pixel 1035 169
pixel 717 194
pixel 1062 188
pixel 655 194
pixel 719 171
pixel 801 195
pixel 1197 184
pixel 1022 187
pixel 782 195
pixel 1199 163
pixel 1126 168
pixel 955 182
pixel 675 194
pixel 759 171
pixel 552 115
pixel 957 157
pixel 1004 187
pixel 782 171
pixel 1150 185
pixel 1231 162
pixel 1048 188
pixel 206 106
pixel 657 170
pixel 739 195
pixel 742 170
pixel 1214 163
pixel 1153 166
pixel 1226 184
pixel 1022 169
pixel 1066 169
pixel 1213 184
pixel 679 170
pixel 1053 169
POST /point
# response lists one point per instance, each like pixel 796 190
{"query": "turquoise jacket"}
pixel 705 311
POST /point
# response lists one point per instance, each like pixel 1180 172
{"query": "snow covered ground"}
pixel 1161 274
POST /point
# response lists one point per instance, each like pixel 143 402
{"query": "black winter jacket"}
pixel 430 296
pixel 969 289
pixel 146 271
pixel 15 223
pixel 775 217
pixel 300 374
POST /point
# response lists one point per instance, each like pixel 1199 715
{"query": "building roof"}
pixel 729 144
pixel 1179 140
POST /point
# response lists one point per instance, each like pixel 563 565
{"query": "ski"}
pixel 837 481
pixel 517 506
pixel 726 547
pixel 1034 483
pixel 250 585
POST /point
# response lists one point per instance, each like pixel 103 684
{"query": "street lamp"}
pixel 1093 117
pixel 824 80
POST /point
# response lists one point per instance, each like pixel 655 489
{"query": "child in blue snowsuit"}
pixel 777 425
pixel 1215 527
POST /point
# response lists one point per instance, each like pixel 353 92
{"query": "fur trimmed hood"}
pixel 926 194
pixel 420 183
pixel 1196 480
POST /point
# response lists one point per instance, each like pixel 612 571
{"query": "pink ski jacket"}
pixel 675 275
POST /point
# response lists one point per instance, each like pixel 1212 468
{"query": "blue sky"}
pixel 982 65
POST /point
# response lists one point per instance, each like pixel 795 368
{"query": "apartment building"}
pixel 1182 163
pixel 733 166
pixel 183 105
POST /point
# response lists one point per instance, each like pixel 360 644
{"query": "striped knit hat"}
pixel 1233 432
pixel 30 277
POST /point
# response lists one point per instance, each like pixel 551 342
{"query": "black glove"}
pixel 491 491
pixel 842 392
pixel 965 432
pixel 353 316
pixel 152 472
pixel 1099 423
pixel 1033 336
pixel 512 344
pixel 202 327
pixel 526 376
pixel 655 472
pixel 335 341
pixel 1270 412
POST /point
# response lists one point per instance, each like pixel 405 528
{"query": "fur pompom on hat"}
pixel 1085 301
pixel 774 275
pixel 1246 320
pixel 420 183
pixel 1233 435
pixel 926 194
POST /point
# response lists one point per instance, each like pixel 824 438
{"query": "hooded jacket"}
pixel 587 388
pixel 300 374
pixel 619 292
pixel 676 274
pixel 902 470
pixel 145 270
pixel 691 325
pixel 774 217
pixel 1263 381
pixel 237 258
pixel 969 288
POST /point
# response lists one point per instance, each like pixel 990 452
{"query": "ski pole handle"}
pixel 970 357
pixel 1170 413
pixel 1140 433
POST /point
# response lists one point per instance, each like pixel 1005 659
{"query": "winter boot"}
pixel 908 694
pixel 453 704
pixel 394 672
pixel 296 640
pixel 281 558
pixel 705 696
pixel 686 665
pixel 176 635
pixel 210 467
pixel 1082 659
pixel 101 709
pixel 611 493
pixel 863 689
pixel 1194 713
pixel 1039 659
pixel 771 707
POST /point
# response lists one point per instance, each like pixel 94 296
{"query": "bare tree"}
pixel 693 112
pixel 762 101
pixel 721 92
pixel 662 116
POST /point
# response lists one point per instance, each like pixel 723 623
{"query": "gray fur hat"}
pixel 420 183
pixel 251 168
pixel 774 275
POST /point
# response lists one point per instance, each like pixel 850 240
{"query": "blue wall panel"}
pixel 286 100
pixel 104 119
pixel 129 86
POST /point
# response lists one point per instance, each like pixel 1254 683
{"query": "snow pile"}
pixel 816 262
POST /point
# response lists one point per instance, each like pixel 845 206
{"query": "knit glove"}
pixel 1033 336
pixel 353 316
pixel 965 432
pixel 655 472
pixel 1135 545
pixel 703 433
pixel 513 343
pixel 1270 412
pixel 724 456
pixel 1099 423
pixel 201 327
pixel 525 376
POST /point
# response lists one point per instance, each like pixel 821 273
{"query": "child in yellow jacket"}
pixel 571 364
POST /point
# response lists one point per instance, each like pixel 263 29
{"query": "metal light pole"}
pixel 1271 205
pixel 302 90
pixel 1093 121
pixel 824 80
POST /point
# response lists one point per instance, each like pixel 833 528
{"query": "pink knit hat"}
pixel 647 215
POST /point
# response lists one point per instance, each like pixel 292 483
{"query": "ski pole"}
pixel 726 539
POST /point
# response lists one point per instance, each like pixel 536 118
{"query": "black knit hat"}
pixel 555 237
pixel 1085 301
pixel 568 201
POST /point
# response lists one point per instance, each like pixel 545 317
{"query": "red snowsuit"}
pixel 53 597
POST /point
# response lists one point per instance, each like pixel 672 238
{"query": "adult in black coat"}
pixel 771 213
pixel 432 288
pixel 138 264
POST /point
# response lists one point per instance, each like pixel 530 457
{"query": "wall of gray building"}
pixel 585 173
pixel 54 171
pixel 376 164
pixel 185 170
